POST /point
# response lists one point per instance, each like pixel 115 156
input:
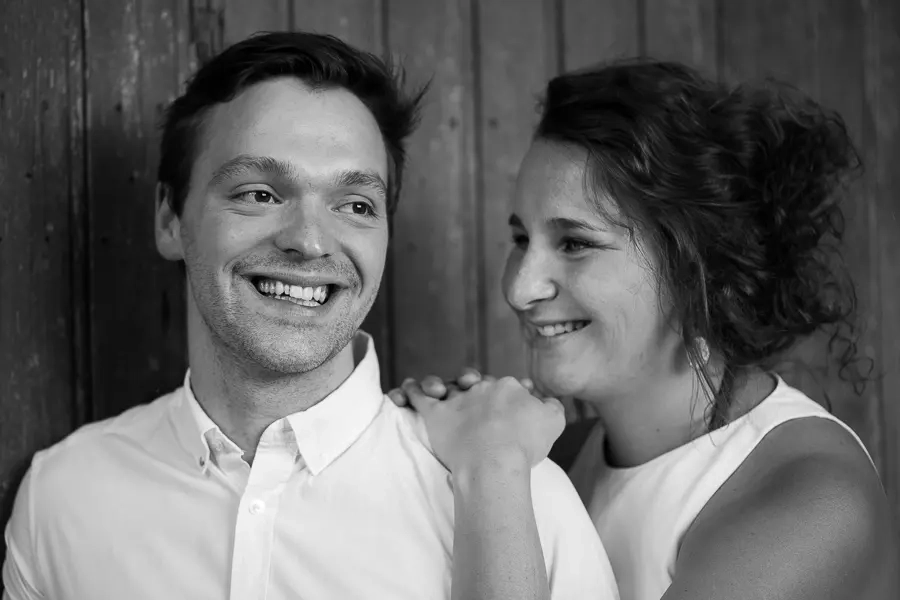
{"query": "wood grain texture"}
pixel 41 243
pixel 242 18
pixel 361 24
pixel 516 59
pixel 768 38
pixel 435 253
pixel 816 47
pixel 684 31
pixel 599 30
pixel 357 22
pixel 882 90
pixel 134 59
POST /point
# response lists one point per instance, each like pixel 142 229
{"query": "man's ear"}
pixel 168 225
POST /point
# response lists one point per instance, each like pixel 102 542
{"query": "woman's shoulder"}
pixel 806 505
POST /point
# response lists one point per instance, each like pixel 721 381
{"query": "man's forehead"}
pixel 288 103
pixel 277 122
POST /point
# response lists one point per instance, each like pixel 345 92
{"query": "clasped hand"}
pixel 477 419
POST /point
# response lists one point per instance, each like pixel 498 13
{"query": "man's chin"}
pixel 301 353
pixel 289 364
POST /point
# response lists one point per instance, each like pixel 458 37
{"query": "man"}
pixel 279 469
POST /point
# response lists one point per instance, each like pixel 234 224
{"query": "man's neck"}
pixel 243 401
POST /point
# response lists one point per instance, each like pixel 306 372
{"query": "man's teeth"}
pixel 307 294
pixel 560 328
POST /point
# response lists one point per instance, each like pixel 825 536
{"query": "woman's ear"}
pixel 168 225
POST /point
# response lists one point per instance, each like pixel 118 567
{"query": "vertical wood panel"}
pixel 882 88
pixel 769 37
pixel 41 393
pixel 435 247
pixel 599 30
pixel 518 56
pixel 359 23
pixel 242 18
pixel 816 47
pixel 134 49
pixel 683 31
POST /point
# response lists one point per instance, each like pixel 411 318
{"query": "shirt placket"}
pixel 273 464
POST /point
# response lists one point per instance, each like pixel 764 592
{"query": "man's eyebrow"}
pixel 355 178
pixel 246 163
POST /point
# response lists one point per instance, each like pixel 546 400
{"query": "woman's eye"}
pixel 573 245
pixel 357 208
pixel 520 240
pixel 258 197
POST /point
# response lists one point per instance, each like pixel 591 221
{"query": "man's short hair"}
pixel 321 62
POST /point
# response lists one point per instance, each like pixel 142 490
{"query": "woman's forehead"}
pixel 554 183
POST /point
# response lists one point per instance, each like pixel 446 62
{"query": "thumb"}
pixel 419 400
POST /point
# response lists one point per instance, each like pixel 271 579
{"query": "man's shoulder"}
pixel 401 432
pixel 551 485
pixel 88 450
pixel 405 423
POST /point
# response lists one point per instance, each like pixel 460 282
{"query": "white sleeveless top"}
pixel 642 513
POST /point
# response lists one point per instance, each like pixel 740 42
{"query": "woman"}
pixel 673 237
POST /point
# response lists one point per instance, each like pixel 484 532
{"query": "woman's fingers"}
pixel 417 397
pixel 468 378
pixel 398 397
pixel 434 386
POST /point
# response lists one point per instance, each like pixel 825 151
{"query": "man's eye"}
pixel 357 208
pixel 520 240
pixel 258 197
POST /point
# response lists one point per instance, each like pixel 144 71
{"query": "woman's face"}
pixel 584 289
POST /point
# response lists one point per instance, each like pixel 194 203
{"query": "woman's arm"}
pixel 490 437
pixel 496 550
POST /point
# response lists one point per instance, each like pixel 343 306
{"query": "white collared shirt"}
pixel 344 500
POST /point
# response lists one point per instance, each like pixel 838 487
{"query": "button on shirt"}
pixel 344 500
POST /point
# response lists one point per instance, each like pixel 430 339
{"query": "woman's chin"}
pixel 555 383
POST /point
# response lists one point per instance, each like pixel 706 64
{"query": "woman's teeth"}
pixel 305 296
pixel 560 328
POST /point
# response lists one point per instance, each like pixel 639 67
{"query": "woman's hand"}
pixel 490 422
pixel 437 388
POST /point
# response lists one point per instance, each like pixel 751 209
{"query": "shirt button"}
pixel 257 507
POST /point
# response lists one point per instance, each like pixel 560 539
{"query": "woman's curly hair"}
pixel 735 190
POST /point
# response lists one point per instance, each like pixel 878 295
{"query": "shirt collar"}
pixel 326 430
pixel 322 432
pixel 192 424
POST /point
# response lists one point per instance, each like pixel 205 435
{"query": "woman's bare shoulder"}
pixel 805 516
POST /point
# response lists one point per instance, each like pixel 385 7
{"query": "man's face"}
pixel 284 231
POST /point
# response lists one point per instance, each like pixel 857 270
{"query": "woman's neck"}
pixel 651 419
pixel 665 413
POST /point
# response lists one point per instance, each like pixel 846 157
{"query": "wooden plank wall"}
pixel 43 318
pixel 91 321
